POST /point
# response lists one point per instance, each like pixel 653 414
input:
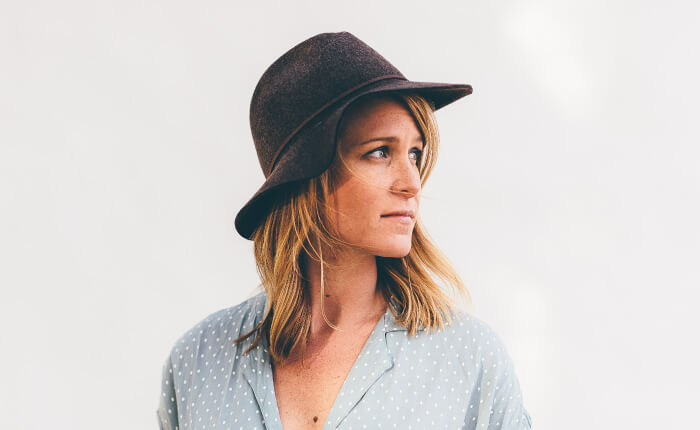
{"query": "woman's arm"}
pixel 508 409
pixel 167 410
pixel 497 402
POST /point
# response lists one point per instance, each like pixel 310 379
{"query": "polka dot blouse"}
pixel 460 377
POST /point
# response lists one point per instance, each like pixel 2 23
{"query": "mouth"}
pixel 403 217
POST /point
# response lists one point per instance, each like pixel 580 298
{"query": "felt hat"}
pixel 298 103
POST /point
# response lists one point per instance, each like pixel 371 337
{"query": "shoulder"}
pixel 219 329
pixel 201 354
pixel 474 331
pixel 478 344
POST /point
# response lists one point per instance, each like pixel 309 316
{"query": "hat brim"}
pixel 304 158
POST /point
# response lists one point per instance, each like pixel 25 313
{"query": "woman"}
pixel 352 331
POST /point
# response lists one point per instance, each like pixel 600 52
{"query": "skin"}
pixel 382 145
pixel 386 179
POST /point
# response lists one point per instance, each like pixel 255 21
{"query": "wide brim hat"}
pixel 299 101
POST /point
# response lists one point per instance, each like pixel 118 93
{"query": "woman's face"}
pixel 376 207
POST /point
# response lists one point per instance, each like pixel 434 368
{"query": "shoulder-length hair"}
pixel 300 216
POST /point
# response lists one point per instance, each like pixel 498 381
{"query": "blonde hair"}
pixel 302 215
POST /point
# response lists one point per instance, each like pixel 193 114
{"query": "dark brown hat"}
pixel 299 101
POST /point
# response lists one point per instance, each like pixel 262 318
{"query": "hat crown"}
pixel 306 80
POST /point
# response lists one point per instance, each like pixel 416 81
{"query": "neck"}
pixel 350 299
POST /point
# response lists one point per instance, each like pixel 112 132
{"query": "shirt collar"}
pixel 374 361
pixel 391 324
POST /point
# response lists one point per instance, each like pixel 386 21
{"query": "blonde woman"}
pixel 352 330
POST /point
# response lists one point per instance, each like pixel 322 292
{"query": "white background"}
pixel 566 193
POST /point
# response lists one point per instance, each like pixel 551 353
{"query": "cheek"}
pixel 358 205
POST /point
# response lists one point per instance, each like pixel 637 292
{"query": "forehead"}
pixel 372 112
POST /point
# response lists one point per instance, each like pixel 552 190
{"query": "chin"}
pixel 395 249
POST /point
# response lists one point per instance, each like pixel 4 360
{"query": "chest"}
pixel 395 382
pixel 307 391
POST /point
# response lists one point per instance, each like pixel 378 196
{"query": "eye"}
pixel 380 150
pixel 418 154
pixel 383 150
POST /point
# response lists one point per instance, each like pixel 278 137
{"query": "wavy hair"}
pixel 298 222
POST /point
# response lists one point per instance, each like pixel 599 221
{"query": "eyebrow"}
pixel 388 139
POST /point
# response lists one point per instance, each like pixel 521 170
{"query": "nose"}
pixel 406 179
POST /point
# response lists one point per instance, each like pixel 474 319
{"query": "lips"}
pixel 405 219
pixel 410 214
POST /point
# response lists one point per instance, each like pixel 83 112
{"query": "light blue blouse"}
pixel 460 377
